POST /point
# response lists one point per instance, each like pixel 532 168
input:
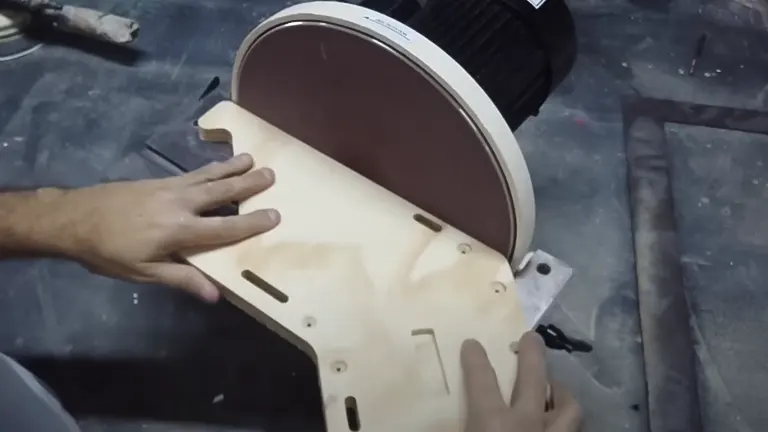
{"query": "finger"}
pixel 549 402
pixel 480 381
pixel 237 165
pixel 224 230
pixel 559 396
pixel 566 415
pixel 530 393
pixel 184 276
pixel 233 189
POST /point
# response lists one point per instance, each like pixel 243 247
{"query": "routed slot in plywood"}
pixel 428 355
pixel 380 293
pixel 427 222
pixel 353 419
pixel 264 286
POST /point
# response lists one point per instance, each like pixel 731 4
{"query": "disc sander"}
pixel 13 42
pixel 385 101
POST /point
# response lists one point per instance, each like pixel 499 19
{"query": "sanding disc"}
pixel 13 42
pixel 386 102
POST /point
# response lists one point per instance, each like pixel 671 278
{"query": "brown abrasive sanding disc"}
pixel 386 102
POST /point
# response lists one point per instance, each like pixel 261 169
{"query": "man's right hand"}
pixel 487 409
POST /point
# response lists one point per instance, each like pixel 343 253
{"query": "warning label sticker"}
pixel 391 27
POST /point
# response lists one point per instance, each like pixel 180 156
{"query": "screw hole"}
pixel 339 366
pixel 309 322
pixel 498 287
pixel 543 269
pixel 464 248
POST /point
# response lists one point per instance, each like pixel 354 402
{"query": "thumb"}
pixel 185 277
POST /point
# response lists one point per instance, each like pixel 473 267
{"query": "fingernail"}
pixel 267 172
pixel 274 215
pixel 210 295
pixel 242 157
pixel 471 345
pixel 532 339
pixel 470 342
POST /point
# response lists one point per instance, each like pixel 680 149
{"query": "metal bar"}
pixel 668 350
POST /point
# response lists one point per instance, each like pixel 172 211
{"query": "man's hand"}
pixel 487 408
pixel 136 230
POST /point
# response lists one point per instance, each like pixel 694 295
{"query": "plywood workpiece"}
pixel 380 294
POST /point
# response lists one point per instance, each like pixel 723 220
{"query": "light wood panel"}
pixel 378 293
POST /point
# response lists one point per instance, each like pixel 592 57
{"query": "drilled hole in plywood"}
pixel 265 286
pixel 339 366
pixel 353 416
pixel 427 222
pixel 498 287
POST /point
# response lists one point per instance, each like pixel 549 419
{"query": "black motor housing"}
pixel 517 52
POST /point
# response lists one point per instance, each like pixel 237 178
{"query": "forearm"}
pixel 32 223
